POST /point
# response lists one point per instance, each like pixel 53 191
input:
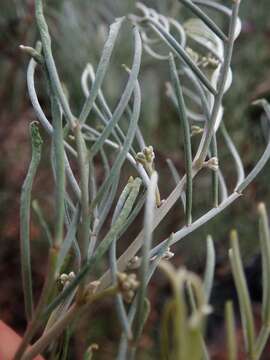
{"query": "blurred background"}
pixel 79 29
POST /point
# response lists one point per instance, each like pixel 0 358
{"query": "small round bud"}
pixel 134 263
pixel 212 164
pixel 196 130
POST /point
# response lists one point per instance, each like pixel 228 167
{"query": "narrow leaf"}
pixel 25 219
pixel 102 69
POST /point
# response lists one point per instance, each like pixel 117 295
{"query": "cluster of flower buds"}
pixel 134 263
pixel 196 130
pixel 193 54
pixel 65 279
pixel 127 284
pixel 212 164
pixel 203 61
pixel 146 158
pixel 208 61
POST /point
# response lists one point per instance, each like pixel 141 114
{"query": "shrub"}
pixel 198 54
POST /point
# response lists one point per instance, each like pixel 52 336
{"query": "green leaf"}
pixel 102 69
pixel 36 141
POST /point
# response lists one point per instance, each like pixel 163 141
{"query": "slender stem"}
pixel 70 238
pixel 258 167
pixel 119 303
pixel 201 99
pixel 148 225
pixel 209 22
pixel 139 168
pixel 51 334
pixel 58 144
pixel 120 308
pixel 210 267
pixel 56 330
pixel 180 52
pixel 84 184
pixel 132 311
pixel 235 155
pixel 265 251
pixel 213 145
pixel 160 213
pixel 180 234
pixel 261 341
pixel 49 61
pixel 103 246
pixel 126 95
pixel 46 124
pixel 166 316
pixel 42 222
pixel 215 6
pixel 96 215
pixel 210 126
pixel 193 305
pixel 222 186
pixel 89 72
pixel 126 146
pixel 186 133
pixel 177 178
pixel 25 220
pixel 215 180
pixel 102 69
pixel 264 158
pixel 46 291
pixel 230 330
pixel 243 295
pixel 179 338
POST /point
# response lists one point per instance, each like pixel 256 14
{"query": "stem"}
pixel 210 267
pixel 120 307
pixel 102 69
pixel 25 220
pixel 35 322
pixel 265 252
pixel 215 180
pixel 209 22
pixel 179 320
pixel 84 177
pixel 51 334
pixel 230 330
pixel 102 247
pixel 187 143
pixel 243 294
pixel 210 126
pixel 49 61
pixel 161 212
pixel 56 330
pixel 199 158
pixel 238 162
pixel 59 153
pixel 261 341
pixel 181 53
pixel 148 225
pixel 46 124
